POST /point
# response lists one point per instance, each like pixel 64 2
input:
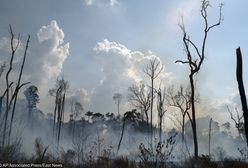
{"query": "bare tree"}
pixel 118 98
pixel 238 121
pixel 3 95
pixel 2 68
pixel 152 70
pixel 161 110
pixel 181 99
pixel 239 75
pixel 209 136
pixel 141 98
pixel 195 63
pixel 11 97
pixel 59 92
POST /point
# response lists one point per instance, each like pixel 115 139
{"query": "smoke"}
pixel 95 137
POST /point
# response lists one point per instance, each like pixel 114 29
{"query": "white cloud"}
pixel 44 60
pixel 51 31
pixel 49 58
pixel 121 67
pixel 50 53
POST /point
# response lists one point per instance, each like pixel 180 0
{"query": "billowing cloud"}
pixel 52 52
pixel 45 58
pixel 121 67
pixel 49 58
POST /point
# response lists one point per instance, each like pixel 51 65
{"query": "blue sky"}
pixel 70 30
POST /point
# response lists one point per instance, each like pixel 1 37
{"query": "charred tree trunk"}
pixel 161 111
pixel 239 75
pixel 18 87
pixel 7 88
pixel 196 62
pixel 193 123
pixel 122 133
pixel 1 98
pixel 61 119
pixel 59 93
pixel 160 130
pixel 147 123
pixel 151 129
pixel 55 113
pixel 1 104
pixel 183 125
pixel 152 70
pixel 209 136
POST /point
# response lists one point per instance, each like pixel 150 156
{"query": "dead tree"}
pixel 11 97
pixel 2 68
pixel 18 86
pixel 239 124
pixel 239 75
pixel 117 98
pixel 59 93
pixel 140 98
pixel 76 111
pixel 181 99
pixel 161 110
pixel 195 63
pixel 152 70
pixel 3 95
pixel 209 136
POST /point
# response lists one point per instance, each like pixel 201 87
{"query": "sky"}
pixel 101 47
